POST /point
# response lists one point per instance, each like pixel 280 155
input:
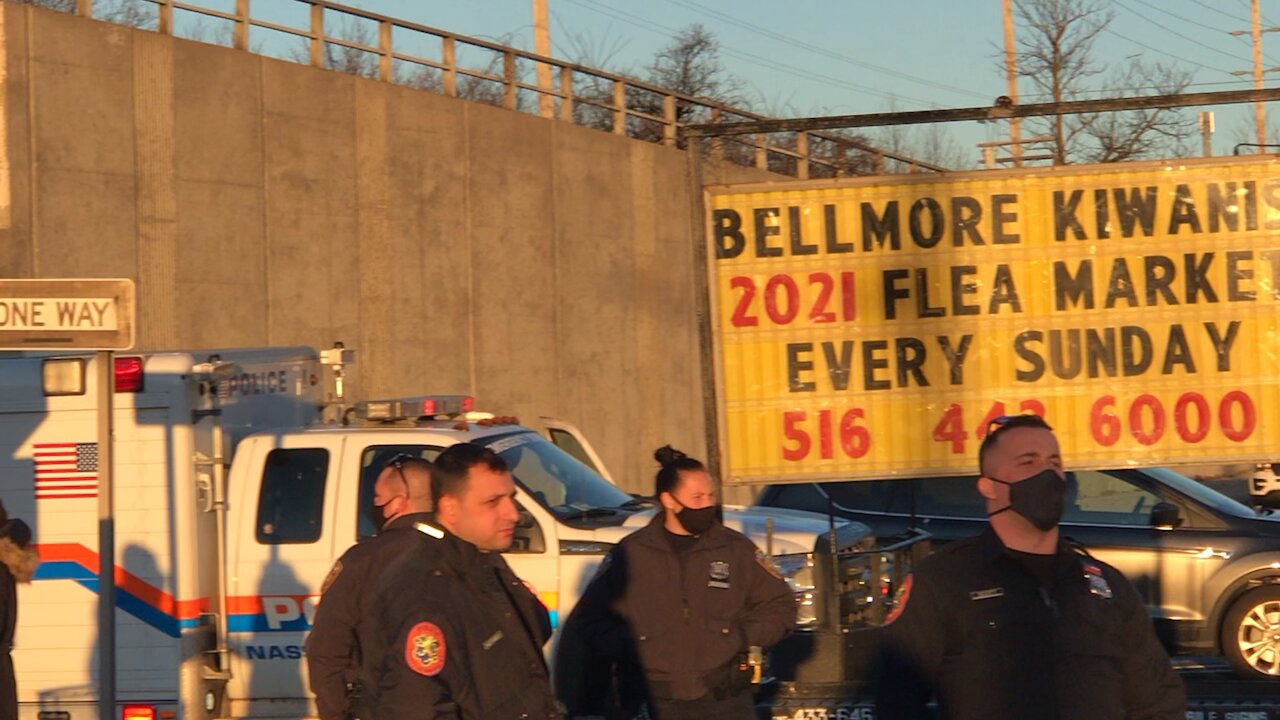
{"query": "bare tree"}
pixel 1121 136
pixel 1055 53
pixel 135 13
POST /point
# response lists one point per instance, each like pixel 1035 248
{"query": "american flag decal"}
pixel 66 470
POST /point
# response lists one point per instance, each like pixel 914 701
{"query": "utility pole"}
pixel 542 46
pixel 1259 114
pixel 1259 111
pixel 1011 69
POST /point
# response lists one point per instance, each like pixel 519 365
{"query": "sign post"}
pixel 86 314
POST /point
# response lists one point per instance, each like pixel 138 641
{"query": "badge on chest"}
pixel 718 575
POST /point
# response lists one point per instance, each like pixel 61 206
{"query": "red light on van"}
pixel 129 375
pixel 428 407
pixel 138 712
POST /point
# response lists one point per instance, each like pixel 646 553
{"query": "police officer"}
pixel 401 499
pixel 1018 622
pixel 461 635
pixel 684 598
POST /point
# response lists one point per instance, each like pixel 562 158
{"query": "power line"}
pixel 1207 6
pixel 822 51
pixel 1237 38
pixel 1162 52
pixel 1175 32
pixel 746 57
pixel 1247 6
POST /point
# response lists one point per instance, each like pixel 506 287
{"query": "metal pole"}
pixel 1011 69
pixel 105 365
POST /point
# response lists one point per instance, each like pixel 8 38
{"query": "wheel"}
pixel 1251 634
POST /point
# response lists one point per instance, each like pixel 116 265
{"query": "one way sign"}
pixel 67 314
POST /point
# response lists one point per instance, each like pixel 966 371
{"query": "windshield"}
pixel 555 479
pixel 1202 493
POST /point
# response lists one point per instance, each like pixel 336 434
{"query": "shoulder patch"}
pixel 333 575
pixel 900 601
pixel 424 649
pixel 767 564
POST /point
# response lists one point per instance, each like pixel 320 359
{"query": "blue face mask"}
pixel 1040 498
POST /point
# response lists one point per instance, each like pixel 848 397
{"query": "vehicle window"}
pixel 953 497
pixel 568 442
pixel 372 460
pixel 880 496
pixel 291 502
pixel 1099 498
pixel 801 496
pixel 560 483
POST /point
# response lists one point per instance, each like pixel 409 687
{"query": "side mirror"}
pixel 1165 516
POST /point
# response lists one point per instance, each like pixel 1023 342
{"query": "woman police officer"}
pixel 672 612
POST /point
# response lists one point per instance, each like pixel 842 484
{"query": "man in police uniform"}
pixel 461 636
pixel 401 499
pixel 1019 623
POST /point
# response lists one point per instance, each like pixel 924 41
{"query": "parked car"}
pixel 1207 566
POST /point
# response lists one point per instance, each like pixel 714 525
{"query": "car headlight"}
pixel 797 570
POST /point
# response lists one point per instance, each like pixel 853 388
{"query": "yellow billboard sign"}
pixel 875 327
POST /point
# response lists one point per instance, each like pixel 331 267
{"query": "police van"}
pixel 239 476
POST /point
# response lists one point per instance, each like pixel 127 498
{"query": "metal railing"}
pixel 381 47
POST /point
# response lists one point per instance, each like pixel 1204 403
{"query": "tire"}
pixel 1251 634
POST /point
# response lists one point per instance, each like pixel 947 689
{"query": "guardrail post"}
pixel 448 53
pixel 385 66
pixel 317 36
pixel 566 92
pixel 241 39
pixel 669 120
pixel 802 156
pixel 509 88
pixel 619 107
pixel 165 20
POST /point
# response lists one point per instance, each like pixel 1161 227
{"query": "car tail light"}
pixel 138 712
pixel 129 377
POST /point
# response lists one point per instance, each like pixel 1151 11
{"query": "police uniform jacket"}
pixel 333 647
pixel 689 615
pixel 460 636
pixel 979 633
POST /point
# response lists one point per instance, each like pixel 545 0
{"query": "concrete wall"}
pixel 546 269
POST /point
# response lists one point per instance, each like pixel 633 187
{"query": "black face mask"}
pixel 376 517
pixel 696 521
pixel 1040 498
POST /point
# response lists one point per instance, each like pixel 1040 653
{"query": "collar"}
pixel 992 549
pixel 409 520
pixel 652 534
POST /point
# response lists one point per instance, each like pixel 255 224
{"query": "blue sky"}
pixel 808 57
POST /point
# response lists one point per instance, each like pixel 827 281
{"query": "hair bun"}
pixel 667 455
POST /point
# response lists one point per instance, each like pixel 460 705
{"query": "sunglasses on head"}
pixel 998 424
pixel 399 460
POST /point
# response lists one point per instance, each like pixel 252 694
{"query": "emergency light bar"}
pixel 66 375
pixel 413 407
